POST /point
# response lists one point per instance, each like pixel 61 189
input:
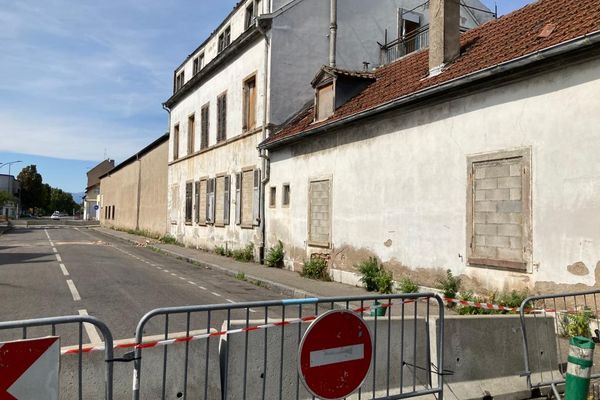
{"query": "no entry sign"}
pixel 335 354
pixel 29 369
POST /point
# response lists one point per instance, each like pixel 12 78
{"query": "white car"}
pixel 55 215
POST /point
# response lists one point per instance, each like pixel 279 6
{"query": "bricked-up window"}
pixel 188 202
pixel 249 115
pixel 499 222
pixel 219 205
pixel 222 117
pixel 176 142
pixel 324 100
pixel 285 196
pixel 246 198
pixel 191 133
pixel 319 219
pixel 224 39
pixel 204 125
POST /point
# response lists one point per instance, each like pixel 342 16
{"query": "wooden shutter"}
pixel 211 201
pixel 197 202
pixel 256 198
pixel 238 198
pixel 224 117
pixel 252 104
pixel 188 202
pixel 226 199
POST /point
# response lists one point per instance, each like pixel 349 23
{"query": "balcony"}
pixel 415 40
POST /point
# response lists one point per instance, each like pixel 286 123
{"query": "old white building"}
pixel 480 156
pixel 249 76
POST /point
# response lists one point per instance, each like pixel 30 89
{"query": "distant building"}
pixel 91 205
pixel 478 154
pixel 9 184
pixel 251 75
pixel 133 195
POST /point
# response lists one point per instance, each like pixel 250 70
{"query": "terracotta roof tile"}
pixel 512 36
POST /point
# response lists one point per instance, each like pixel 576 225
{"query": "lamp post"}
pixel 9 177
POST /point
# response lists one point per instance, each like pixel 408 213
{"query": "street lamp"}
pixel 9 176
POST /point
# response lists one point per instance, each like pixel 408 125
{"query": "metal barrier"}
pixel 24 326
pixel 546 323
pixel 257 358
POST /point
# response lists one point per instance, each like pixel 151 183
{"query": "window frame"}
pixel 272 196
pixel 246 112
pixel 224 39
pixel 176 132
pixel 318 89
pixel 314 243
pixel 204 126
pixel 222 117
pixel 526 214
pixel 189 202
pixel 191 133
pixel 284 196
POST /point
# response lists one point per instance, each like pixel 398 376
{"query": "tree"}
pixel 61 201
pixel 6 197
pixel 32 190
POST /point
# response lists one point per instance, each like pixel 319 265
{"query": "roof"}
pixel 162 139
pixel 533 28
pixel 325 69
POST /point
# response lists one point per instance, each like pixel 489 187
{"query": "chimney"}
pixel 444 33
pixel 332 32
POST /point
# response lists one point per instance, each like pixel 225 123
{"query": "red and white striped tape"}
pixel 476 304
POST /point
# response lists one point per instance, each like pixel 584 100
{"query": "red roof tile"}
pixel 517 34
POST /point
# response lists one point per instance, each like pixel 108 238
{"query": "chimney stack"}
pixel 444 33
pixel 332 32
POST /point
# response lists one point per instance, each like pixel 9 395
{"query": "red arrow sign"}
pixel 335 354
pixel 16 358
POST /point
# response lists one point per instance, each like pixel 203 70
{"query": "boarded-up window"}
pixel 319 225
pixel 324 102
pixel 210 201
pixel 188 202
pixel 191 133
pixel 204 115
pixel 202 202
pixel 498 223
pixel 249 116
pixel 222 118
pixel 176 142
pixel 219 206
pixel 247 196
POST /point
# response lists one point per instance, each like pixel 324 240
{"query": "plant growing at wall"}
pixel 168 239
pixel 449 285
pixel 274 257
pixel 315 268
pixel 385 282
pixel 245 254
pixel 407 285
pixel 578 323
pixel 370 270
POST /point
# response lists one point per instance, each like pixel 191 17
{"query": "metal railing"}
pixel 44 326
pixel 546 324
pixel 250 350
pixel 407 44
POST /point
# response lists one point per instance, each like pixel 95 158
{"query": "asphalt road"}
pixel 58 271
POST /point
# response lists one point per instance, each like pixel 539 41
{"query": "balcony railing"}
pixel 400 47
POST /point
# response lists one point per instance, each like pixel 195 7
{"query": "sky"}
pixel 84 80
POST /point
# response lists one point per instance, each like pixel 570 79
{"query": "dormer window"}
pixel 250 15
pixel 324 106
pixel 224 39
pixel 198 63
pixel 179 80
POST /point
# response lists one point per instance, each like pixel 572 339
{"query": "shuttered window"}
pixel 188 202
pixel 197 201
pixel 226 199
pixel 176 142
pixel 204 116
pixel 246 196
pixel 202 213
pixel 256 198
pixel 238 198
pixel 210 201
pixel 191 133
pixel 249 116
pixel 219 205
pixel 222 118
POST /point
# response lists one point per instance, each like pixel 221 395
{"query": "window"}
pixel 285 196
pixel 224 39
pixel 498 219
pixel 324 108
pixel 250 15
pixel 179 80
pixel 249 112
pixel 197 202
pixel 176 142
pixel 210 201
pixel 191 133
pixel 319 221
pixel 188 202
pixel 201 204
pixel 272 196
pixel 226 200
pixel 247 198
pixel 204 115
pixel 198 63
pixel 195 68
pixel 222 118
pixel 219 206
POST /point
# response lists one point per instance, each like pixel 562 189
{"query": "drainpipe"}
pixel 167 217
pixel 266 165
pixel 332 33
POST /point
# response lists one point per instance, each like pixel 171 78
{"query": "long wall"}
pixel 399 184
pixel 119 191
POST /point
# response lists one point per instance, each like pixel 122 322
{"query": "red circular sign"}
pixel 335 354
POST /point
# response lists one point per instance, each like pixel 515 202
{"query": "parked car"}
pixel 55 215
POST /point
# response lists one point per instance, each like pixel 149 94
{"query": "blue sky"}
pixel 81 79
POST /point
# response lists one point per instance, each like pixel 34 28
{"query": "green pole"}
pixel 579 368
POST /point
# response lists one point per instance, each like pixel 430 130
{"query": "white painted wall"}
pixel 403 178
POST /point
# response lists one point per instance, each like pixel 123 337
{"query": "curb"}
pixel 279 287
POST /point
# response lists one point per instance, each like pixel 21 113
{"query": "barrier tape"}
pixel 485 306
pixel 184 339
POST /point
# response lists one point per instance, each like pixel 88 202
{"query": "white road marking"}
pixel 252 310
pixel 64 269
pixel 229 301
pixel 165 270
pixel 52 243
pixel 54 250
pixel 201 287
pixel 58 257
pixel 90 329
pixel 173 273
pixel 46 232
pixel 73 290
pixel 216 294
pixel 182 278
pixel 192 283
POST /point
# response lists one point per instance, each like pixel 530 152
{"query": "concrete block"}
pixel 151 375
pixel 497 194
pixel 510 206
pixel 283 372
pixel 509 182
pixel 515 194
pixel 504 218
pixel 510 254
pixel 515 170
pixel 480 218
pixel 497 241
pixel 497 171
pixel 487 252
pixel 516 243
pixel 486 229
pixel 484 184
pixel 510 230
pixel 485 206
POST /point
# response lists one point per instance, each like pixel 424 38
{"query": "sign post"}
pixel 29 369
pixel 335 354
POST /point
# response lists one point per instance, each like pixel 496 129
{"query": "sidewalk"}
pixel 288 283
